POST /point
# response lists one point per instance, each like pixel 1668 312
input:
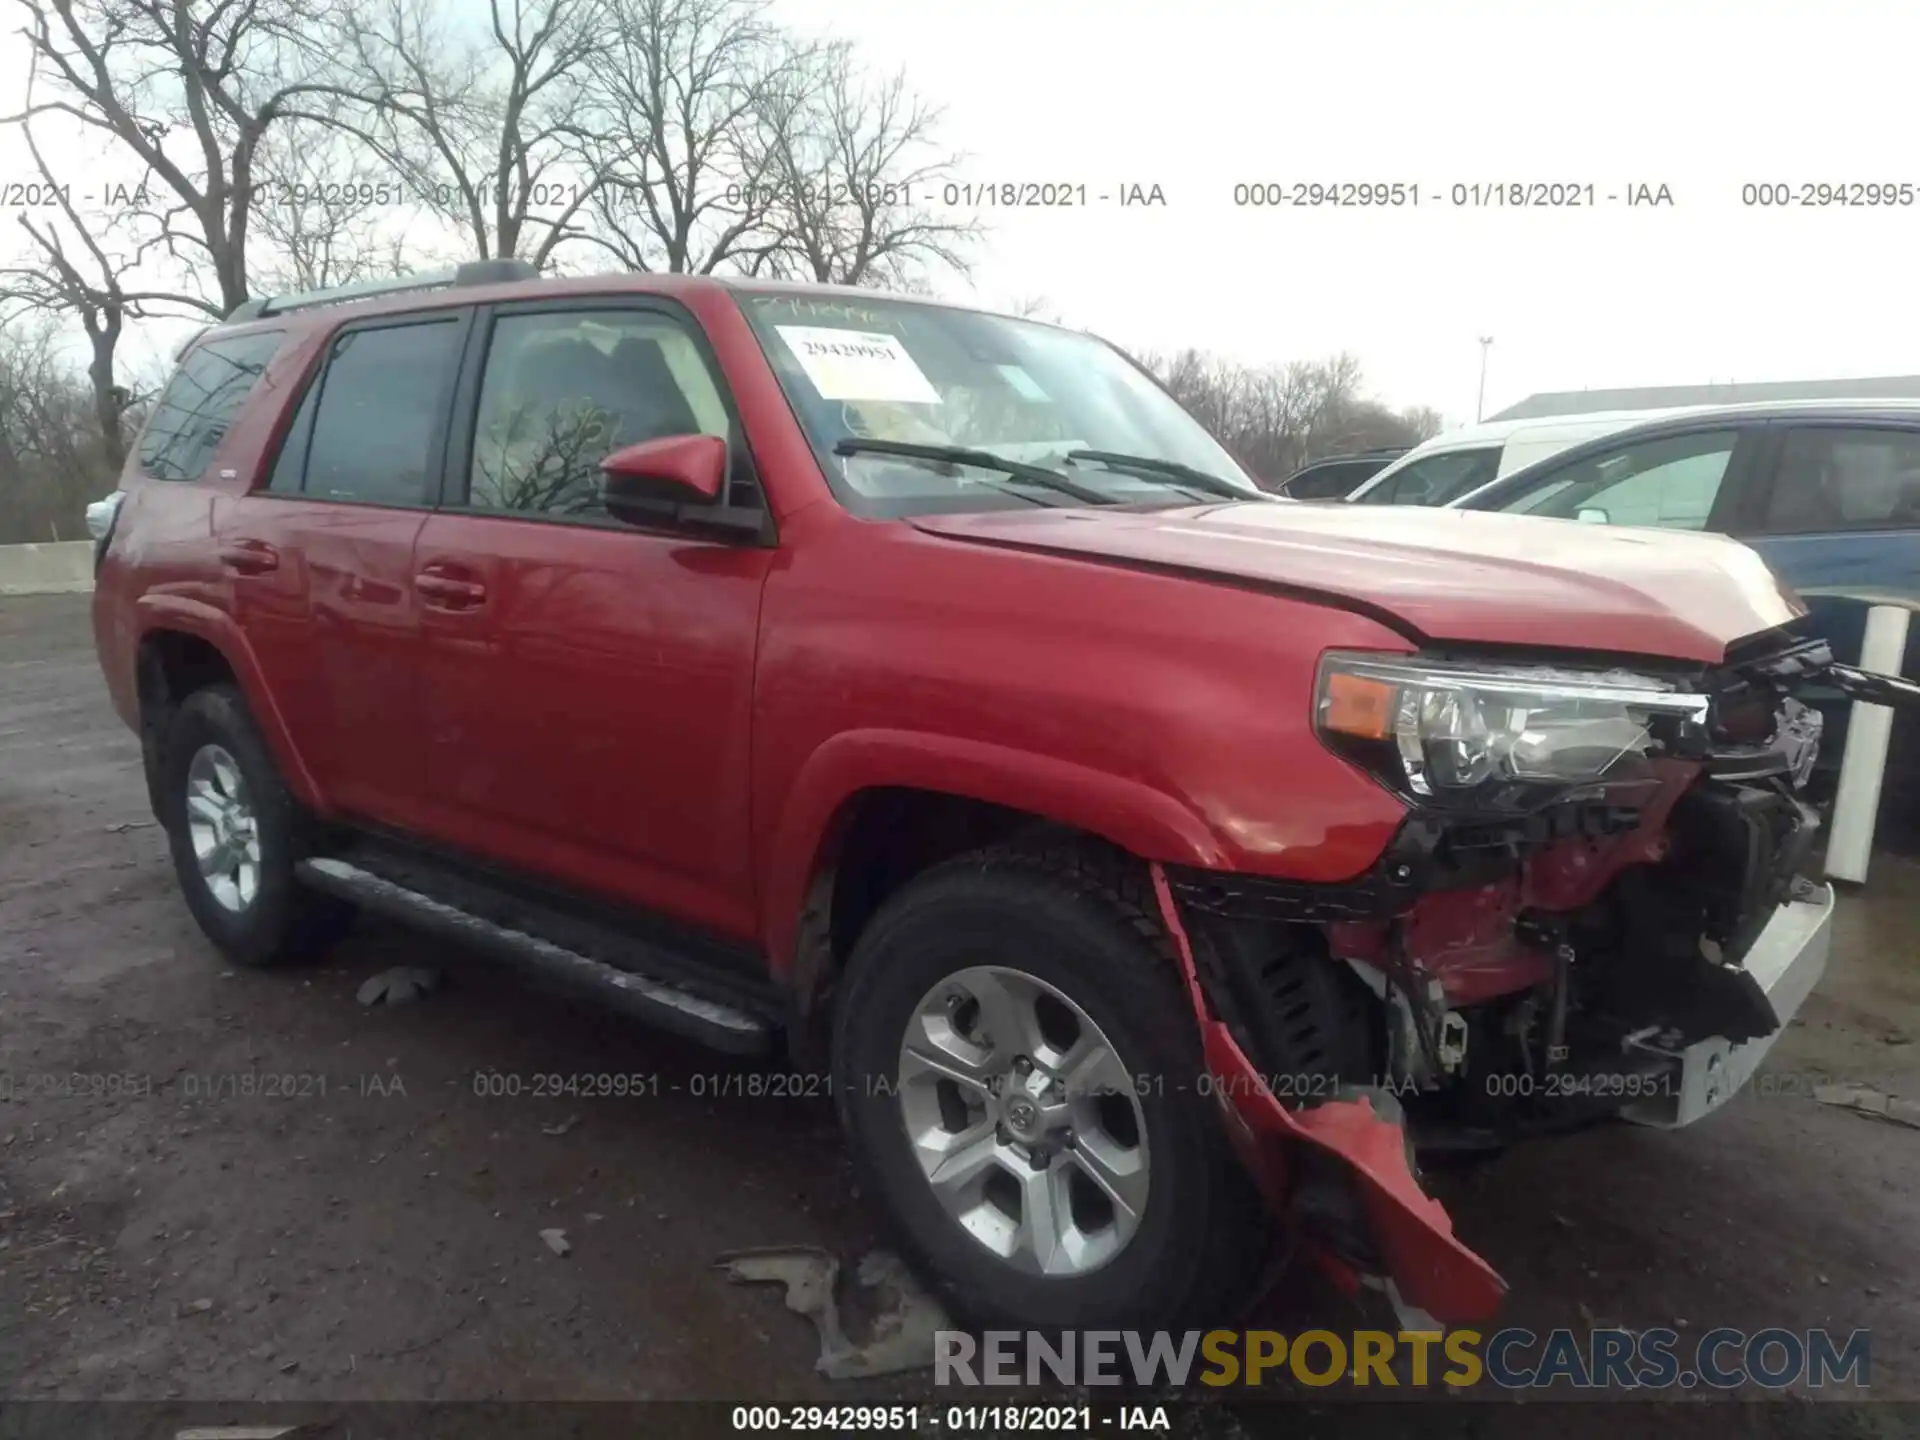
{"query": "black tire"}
pixel 1082 924
pixel 284 922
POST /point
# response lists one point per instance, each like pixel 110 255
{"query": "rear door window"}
pixel 206 392
pixel 1841 478
pixel 381 414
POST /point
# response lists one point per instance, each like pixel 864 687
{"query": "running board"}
pixel 720 1026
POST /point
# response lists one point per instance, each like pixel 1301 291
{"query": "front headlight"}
pixel 1495 737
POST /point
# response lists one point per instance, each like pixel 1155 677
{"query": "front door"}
pixel 1839 520
pixel 588 683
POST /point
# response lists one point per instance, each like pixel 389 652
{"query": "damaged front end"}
pixel 1599 904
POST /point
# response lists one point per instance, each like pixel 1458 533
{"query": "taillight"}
pixel 101 516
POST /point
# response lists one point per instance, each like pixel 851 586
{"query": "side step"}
pixel 720 1026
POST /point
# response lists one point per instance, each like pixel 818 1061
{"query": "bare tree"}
pixel 489 135
pixel 190 90
pixel 330 213
pixel 77 274
pixel 1423 421
pixel 1036 307
pixel 52 456
pixel 1275 419
pixel 855 171
pixel 678 93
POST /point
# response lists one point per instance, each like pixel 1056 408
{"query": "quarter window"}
pixel 562 390
pixel 1845 479
pixel 206 392
pixel 380 410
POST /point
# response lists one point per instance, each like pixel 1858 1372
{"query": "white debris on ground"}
pixel 399 985
pixel 1865 1101
pixel 905 1317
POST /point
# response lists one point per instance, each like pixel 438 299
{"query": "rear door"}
pixel 321 557
pixel 588 682
pixel 1836 513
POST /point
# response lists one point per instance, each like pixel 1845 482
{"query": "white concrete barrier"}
pixel 62 569
pixel 1863 764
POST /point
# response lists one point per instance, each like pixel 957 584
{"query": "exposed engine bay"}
pixel 1599 904
pixel 1549 942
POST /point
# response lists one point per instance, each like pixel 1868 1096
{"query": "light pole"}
pixel 1480 405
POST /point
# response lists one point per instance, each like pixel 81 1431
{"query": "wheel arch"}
pixel 184 645
pixel 872 809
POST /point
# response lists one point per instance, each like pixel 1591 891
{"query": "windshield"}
pixel 917 375
pixel 1434 479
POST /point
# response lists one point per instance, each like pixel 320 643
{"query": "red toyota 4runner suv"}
pixel 1147 866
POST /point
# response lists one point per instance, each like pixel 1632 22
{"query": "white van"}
pixel 1450 465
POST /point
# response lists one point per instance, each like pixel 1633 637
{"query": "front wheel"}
pixel 1018 1070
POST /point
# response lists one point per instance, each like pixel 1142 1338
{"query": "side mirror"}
pixel 679 479
pixel 672 468
pixel 1591 515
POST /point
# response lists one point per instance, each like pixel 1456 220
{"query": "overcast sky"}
pixel 1197 96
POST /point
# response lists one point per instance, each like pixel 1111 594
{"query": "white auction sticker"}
pixel 858 365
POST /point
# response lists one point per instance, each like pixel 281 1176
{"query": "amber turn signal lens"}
pixel 1358 705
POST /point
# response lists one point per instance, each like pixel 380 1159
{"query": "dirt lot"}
pixel 374 1232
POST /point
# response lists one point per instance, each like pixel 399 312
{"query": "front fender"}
pixel 161 611
pixel 1132 815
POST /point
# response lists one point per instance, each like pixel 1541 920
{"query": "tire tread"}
pixel 1231 1241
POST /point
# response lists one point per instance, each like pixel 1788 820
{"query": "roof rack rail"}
pixel 473 272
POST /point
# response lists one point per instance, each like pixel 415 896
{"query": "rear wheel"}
pixel 235 833
pixel 1018 1070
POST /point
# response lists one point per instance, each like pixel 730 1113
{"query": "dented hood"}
pixel 1452 575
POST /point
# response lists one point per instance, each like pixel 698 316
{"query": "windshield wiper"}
pixel 979 459
pixel 1148 465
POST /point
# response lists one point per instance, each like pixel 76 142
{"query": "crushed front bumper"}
pixel 1427 1269
pixel 1786 962
pixel 1431 1275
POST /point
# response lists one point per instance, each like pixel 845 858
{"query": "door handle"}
pixel 249 557
pixel 447 592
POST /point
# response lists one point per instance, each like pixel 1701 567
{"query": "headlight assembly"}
pixel 1496 737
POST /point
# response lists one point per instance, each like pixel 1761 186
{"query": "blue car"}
pixel 1828 492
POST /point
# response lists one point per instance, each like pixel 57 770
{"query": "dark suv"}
pixel 1336 476
pixel 925 693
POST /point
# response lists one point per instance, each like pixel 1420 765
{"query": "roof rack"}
pixel 474 272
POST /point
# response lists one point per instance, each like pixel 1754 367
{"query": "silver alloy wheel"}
pixel 1024 1121
pixel 222 828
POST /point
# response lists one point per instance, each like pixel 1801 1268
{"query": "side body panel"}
pixel 1171 717
pixel 162 571
pixel 589 719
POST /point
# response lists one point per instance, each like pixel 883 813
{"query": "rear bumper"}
pixel 1786 962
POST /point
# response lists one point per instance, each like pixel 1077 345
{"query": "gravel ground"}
pixel 372 1230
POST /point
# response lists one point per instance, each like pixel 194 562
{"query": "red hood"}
pixel 1458 575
